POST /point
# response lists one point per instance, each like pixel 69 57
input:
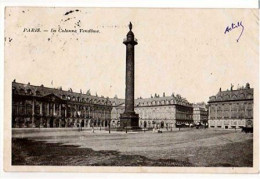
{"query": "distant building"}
pixel 160 112
pixel 200 113
pixel 231 108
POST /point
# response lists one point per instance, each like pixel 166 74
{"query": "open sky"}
pixel 184 51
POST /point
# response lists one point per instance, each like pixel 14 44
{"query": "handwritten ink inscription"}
pixel 235 26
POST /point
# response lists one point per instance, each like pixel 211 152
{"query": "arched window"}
pixel 249 96
pixel 234 97
pixel 29 92
pixel 212 98
pixel 226 97
pixel 21 91
pixel 241 96
pixel 37 93
pixel 145 124
pixel 162 124
pixel 219 98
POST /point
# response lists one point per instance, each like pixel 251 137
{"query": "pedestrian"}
pixel 78 125
pixel 81 125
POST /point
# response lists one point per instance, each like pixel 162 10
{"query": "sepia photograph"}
pixel 133 89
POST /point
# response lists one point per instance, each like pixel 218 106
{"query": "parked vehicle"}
pixel 249 126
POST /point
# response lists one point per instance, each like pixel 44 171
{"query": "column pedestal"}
pixel 129 120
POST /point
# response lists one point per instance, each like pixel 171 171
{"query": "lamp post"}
pixel 109 126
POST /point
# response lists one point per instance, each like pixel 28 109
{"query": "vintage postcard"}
pixel 131 90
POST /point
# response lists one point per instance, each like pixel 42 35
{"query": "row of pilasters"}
pixel 40 122
pixel 230 111
pixel 55 110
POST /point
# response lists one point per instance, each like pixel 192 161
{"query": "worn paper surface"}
pixel 179 50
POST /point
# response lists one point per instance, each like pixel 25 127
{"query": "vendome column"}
pixel 129 118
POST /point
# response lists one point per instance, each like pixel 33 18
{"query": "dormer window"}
pixel 22 91
pixel 29 91
pixel 37 93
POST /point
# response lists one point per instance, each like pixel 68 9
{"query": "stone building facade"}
pixel 200 113
pixel 157 112
pixel 231 108
pixel 43 107
pixel 39 106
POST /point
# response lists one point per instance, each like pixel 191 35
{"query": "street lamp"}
pixel 109 122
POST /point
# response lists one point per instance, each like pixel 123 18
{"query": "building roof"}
pixel 200 106
pixel 117 101
pixel 233 95
pixel 167 100
pixel 41 91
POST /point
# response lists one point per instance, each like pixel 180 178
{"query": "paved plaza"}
pixel 188 147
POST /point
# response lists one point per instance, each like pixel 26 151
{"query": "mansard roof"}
pixel 234 95
pixel 153 101
pixel 117 101
pixel 162 101
pixel 41 91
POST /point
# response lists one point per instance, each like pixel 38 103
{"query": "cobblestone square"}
pixel 188 147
